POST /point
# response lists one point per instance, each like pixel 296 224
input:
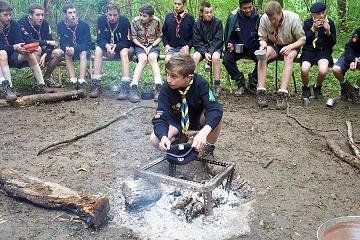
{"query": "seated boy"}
pixel 12 54
pixel 320 38
pixel 178 30
pixel 186 103
pixel 208 41
pixel 75 41
pixel 146 35
pixel 113 40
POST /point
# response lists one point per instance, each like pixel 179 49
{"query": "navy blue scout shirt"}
pixel 10 36
pixel 121 33
pixel 324 42
pixel 77 36
pixel 36 33
pixel 198 100
pixel 186 31
pixel 208 36
pixel 352 47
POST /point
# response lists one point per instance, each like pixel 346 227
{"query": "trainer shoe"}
pixel 261 98
pixel 281 100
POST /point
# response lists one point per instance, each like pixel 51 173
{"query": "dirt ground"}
pixel 303 185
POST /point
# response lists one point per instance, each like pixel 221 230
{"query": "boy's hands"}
pixel 200 138
pixel 19 47
pixel 164 144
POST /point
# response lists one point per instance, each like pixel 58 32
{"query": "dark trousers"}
pixel 229 61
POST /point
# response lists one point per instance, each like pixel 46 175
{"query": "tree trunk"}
pixel 342 15
pixel 91 209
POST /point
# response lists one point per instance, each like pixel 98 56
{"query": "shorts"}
pixel 203 54
pixel 314 56
pixel 117 53
pixel 277 49
pixel 13 60
pixel 139 50
pixel 173 50
pixel 342 64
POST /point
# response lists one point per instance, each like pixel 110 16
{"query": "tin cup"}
pixel 239 48
pixel 260 54
pixel 207 67
pixel 330 102
pixel 306 102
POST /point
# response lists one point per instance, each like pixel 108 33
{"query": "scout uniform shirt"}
pixel 147 34
pixel 352 47
pixel 9 36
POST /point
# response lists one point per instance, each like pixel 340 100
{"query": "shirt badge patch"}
pixel 355 38
pixel 211 96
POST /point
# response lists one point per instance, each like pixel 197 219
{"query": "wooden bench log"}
pixel 92 210
pixel 44 98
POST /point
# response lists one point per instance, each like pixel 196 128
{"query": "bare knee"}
pixel 124 53
pixel 152 58
pixel 154 141
pixel 216 57
pixel 82 56
pixel 337 70
pixel 142 58
pixel 3 55
pixel 57 53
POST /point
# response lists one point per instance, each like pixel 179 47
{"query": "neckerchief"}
pixel 185 122
pixel 178 19
pixel 112 36
pixel 146 37
pixel 72 31
pixel 38 32
pixel 276 34
pixel 5 32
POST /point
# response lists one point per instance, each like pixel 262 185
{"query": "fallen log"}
pixel 348 158
pixel 92 210
pixel 351 140
pixel 44 98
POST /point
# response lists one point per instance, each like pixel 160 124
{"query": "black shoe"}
pixel 81 86
pixel 240 91
pixel 41 89
pixel 157 91
pixel 349 92
pixel 52 84
pixel 7 91
pixel 124 90
pixel 281 100
pixel 252 85
pixel 317 92
pixel 306 93
pixel 95 88
pixel 261 98
pixel 134 95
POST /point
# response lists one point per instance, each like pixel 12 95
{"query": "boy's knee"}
pixel 154 141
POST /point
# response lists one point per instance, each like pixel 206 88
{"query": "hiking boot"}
pixel 240 91
pixel 81 86
pixel 7 91
pixel 317 92
pixel 348 91
pixel 157 91
pixel 124 90
pixel 42 88
pixel 134 95
pixel 52 84
pixel 306 93
pixel 252 85
pixel 217 90
pixel 261 98
pixel 95 88
pixel 281 100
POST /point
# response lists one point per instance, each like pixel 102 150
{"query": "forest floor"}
pixel 296 182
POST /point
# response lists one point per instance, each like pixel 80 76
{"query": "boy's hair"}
pixel 5 6
pixel 147 9
pixel 113 6
pixel 68 6
pixel 203 5
pixel 182 62
pixel 184 1
pixel 272 8
pixel 33 7
pixel 245 1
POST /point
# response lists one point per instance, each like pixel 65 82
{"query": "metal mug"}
pixel 260 54
pixel 306 102
pixel 207 67
pixel 330 102
pixel 239 48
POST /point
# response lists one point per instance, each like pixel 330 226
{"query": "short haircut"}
pixel 245 1
pixel 147 9
pixel 33 7
pixel 203 5
pixel 113 6
pixel 68 6
pixel 5 6
pixel 272 8
pixel 182 62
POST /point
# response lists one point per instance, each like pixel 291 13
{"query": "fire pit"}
pixel 205 188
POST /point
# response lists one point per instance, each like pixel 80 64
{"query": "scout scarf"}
pixel 178 19
pixel 112 36
pixel 68 26
pixel 185 122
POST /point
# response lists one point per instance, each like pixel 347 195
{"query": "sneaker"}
pixel 317 92
pixel 124 90
pixel 7 91
pixel 134 95
pixel 95 88
pixel 349 92
pixel 261 98
pixel 157 91
pixel 306 93
pixel 41 89
pixel 281 100
pixel 52 84
pixel 240 91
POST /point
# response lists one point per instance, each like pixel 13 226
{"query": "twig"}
pixel 77 137
pixel 351 159
pixel 351 140
pixel 266 164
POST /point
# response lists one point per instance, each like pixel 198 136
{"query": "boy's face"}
pixel 145 18
pixel 247 9
pixel 175 80
pixel 207 14
pixel 112 15
pixel 5 18
pixel 319 15
pixel 71 15
pixel 37 17
pixel 275 20
pixel 179 6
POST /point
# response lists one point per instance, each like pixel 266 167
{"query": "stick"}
pixel 351 140
pixel 351 159
pixel 77 137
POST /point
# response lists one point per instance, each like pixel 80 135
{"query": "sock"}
pixel 38 74
pixel 217 82
pixel 158 80
pixel 81 81
pixel 283 91
pixel 136 83
pixel 343 81
pixel 6 73
pixel 356 86
pixel 73 80
pixel 98 77
pixel 261 89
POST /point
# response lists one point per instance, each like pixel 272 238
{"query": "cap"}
pixel 317 7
